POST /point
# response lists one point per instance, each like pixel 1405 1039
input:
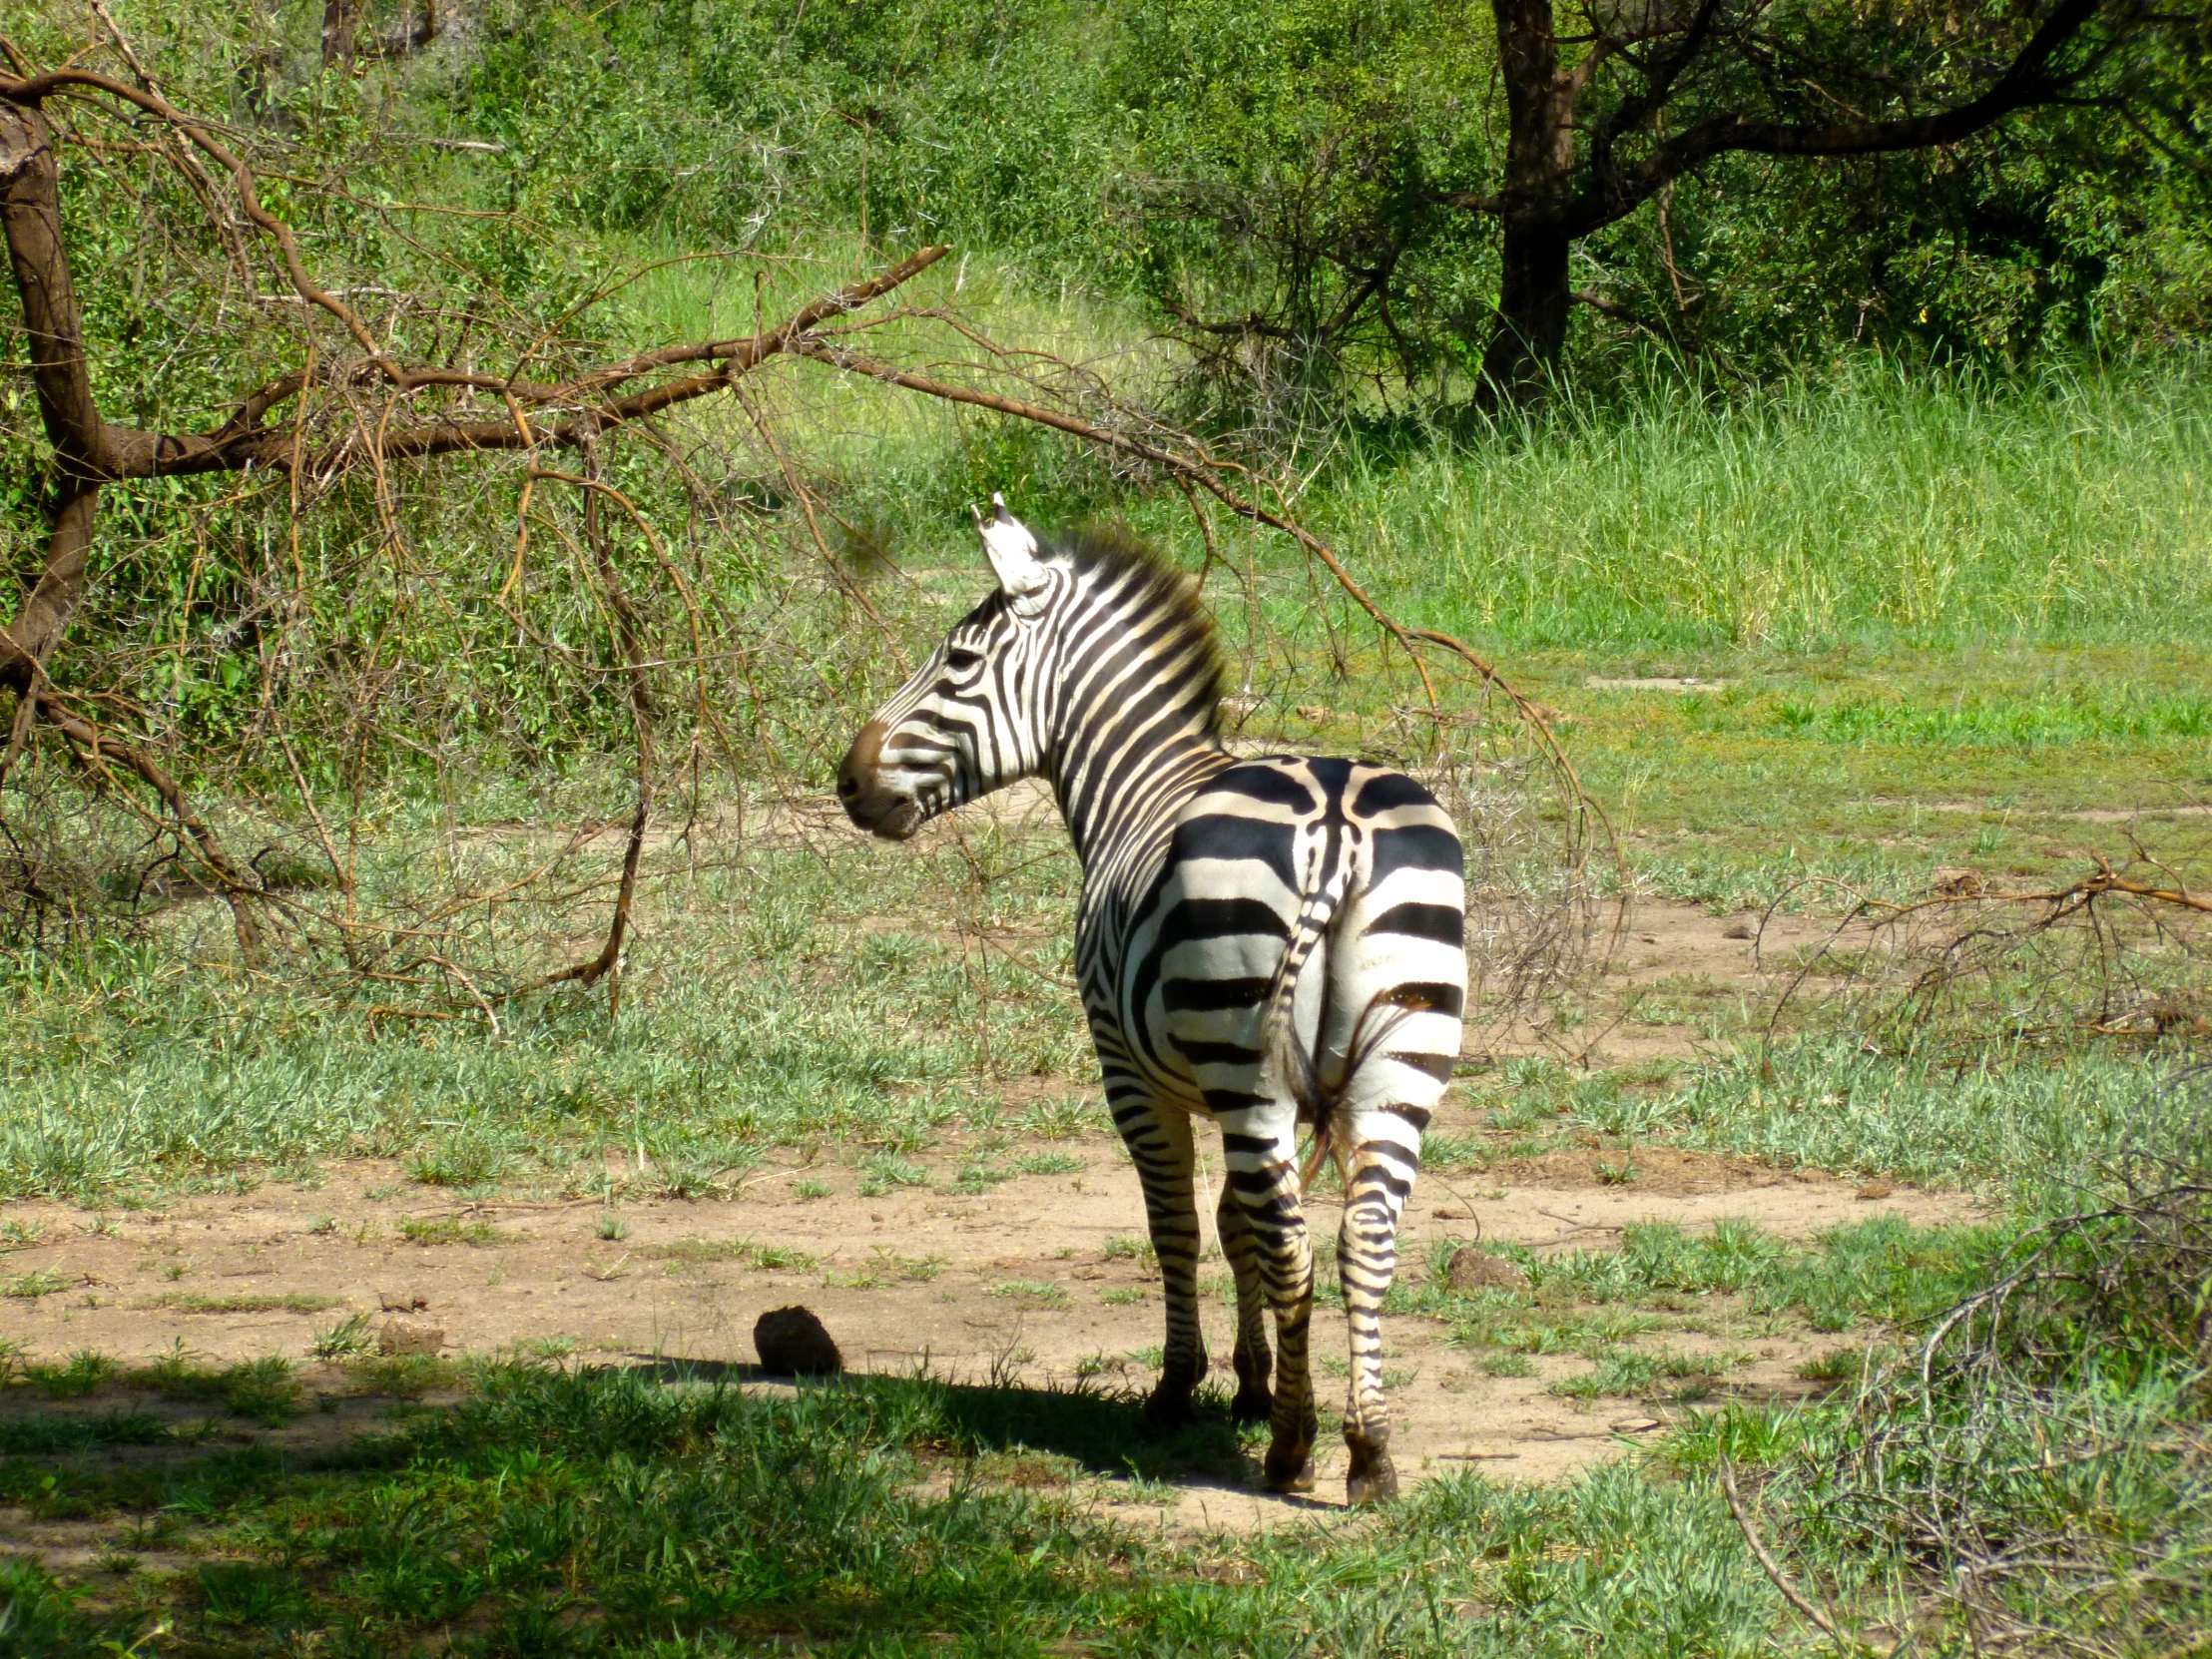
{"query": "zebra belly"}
pixel 1196 1002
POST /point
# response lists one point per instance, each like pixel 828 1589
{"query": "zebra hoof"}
pixel 1291 1470
pixel 1254 1404
pixel 1373 1480
pixel 1169 1408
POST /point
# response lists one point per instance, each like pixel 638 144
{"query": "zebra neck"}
pixel 1114 801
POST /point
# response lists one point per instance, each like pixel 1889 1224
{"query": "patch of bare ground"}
pixel 1034 1281
pixel 1672 977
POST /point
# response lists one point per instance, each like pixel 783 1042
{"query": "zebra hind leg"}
pixel 1380 1177
pixel 1254 1401
pixel 1160 1144
pixel 1263 1176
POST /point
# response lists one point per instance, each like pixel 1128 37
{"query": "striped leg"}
pixel 1384 1152
pixel 1258 1146
pixel 1254 1401
pixel 1160 1145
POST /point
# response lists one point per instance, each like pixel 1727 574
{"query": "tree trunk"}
pixel 27 641
pixel 1532 302
pixel 341 28
pixel 30 212
pixel 1532 296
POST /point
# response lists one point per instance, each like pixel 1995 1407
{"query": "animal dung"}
pixel 401 1302
pixel 792 1342
pixel 1478 1270
pixel 1739 930
pixel 406 1336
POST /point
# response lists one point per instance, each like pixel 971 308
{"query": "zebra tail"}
pixel 1295 1066
pixel 1298 1067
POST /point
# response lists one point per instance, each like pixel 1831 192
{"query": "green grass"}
pixel 549 1511
pixel 1868 508
pixel 692 1252
pixel 161 1081
pixel 448 1229
pixel 289 1301
pixel 31 1286
pixel 2029 1128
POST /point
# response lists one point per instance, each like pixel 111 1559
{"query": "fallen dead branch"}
pixel 1765 1557
pixel 2120 951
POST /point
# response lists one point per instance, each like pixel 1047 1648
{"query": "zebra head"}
pixel 970 721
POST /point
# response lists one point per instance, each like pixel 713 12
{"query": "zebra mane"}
pixel 1161 588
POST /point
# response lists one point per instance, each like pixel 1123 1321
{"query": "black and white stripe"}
pixel 1271 943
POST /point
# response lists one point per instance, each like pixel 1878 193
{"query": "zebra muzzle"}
pixel 880 810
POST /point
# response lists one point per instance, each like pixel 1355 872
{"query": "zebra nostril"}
pixel 846 789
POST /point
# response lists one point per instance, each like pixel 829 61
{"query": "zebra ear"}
pixel 1012 551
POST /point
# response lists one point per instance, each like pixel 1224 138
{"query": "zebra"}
pixel 1271 941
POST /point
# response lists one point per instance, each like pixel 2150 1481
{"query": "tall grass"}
pixel 1873 506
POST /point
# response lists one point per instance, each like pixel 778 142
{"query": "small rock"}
pixel 1876 1189
pixel 1478 1270
pixel 1636 1425
pixel 792 1343
pixel 402 1302
pixel 1739 930
pixel 406 1336
pixel 1956 882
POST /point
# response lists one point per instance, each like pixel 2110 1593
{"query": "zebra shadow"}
pixel 1103 1429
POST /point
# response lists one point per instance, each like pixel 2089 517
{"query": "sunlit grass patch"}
pixel 448 1229
pixel 769 1256
pixel 31 1286
pixel 286 1302
pixel 1048 1163
pixel 1042 1291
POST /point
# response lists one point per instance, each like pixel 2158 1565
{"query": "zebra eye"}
pixel 961 660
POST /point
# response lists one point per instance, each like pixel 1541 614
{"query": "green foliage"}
pixel 1282 157
pixel 744 123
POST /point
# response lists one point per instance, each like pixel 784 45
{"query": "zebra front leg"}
pixel 1257 1147
pixel 1160 1145
pixel 1384 1154
pixel 1254 1401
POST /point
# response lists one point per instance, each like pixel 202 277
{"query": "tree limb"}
pixel 2028 80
